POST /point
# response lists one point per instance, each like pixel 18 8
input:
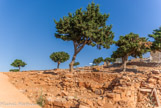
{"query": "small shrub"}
pixel 96 69
pixel 14 70
pixel 41 100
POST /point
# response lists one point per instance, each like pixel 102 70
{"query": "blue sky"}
pixel 27 28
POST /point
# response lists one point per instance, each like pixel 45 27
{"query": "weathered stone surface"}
pixel 108 89
pixel 83 106
pixel 156 72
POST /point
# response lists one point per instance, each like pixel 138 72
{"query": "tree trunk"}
pixel 124 66
pixel 77 49
pixel 108 63
pixel 124 59
pixel 105 64
pixel 72 63
pixel 19 68
pixel 58 65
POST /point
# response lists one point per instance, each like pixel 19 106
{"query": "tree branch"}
pixel 75 47
pixel 81 47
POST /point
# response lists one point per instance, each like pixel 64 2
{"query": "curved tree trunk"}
pixel 77 48
pixel 72 63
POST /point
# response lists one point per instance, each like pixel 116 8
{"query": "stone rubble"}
pixel 109 88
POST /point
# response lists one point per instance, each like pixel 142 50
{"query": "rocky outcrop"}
pixel 84 89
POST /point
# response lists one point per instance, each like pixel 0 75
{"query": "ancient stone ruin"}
pixel 106 88
pixel 155 57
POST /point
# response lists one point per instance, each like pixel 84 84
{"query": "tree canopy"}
pixel 85 27
pixel 130 45
pixel 156 45
pixel 76 64
pixel 108 59
pixel 98 61
pixel 14 70
pixel 59 57
pixel 18 63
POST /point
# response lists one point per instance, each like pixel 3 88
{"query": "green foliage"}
pixel 76 64
pixel 130 45
pixel 14 70
pixel 85 27
pixel 109 59
pixel 18 63
pixel 59 57
pixel 98 61
pixel 157 39
pixel 41 100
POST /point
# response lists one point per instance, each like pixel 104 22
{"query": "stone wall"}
pixel 156 57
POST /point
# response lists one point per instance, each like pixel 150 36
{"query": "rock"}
pixel 101 102
pixel 152 80
pixel 156 77
pixel 95 86
pixel 83 106
pixel 98 91
pixel 64 93
pixel 159 82
pixel 70 97
pixel 89 102
pixel 155 71
pixel 69 75
pixel 117 97
pixel 108 105
pixel 110 95
pixel 60 102
pixel 86 102
pixel 81 84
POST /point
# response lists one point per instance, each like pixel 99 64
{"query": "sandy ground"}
pixel 11 97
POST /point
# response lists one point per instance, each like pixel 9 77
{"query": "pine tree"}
pixel 98 61
pixel 108 60
pixel 156 45
pixel 59 57
pixel 85 28
pixel 130 45
pixel 18 63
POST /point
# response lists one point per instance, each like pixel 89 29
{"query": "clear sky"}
pixel 27 28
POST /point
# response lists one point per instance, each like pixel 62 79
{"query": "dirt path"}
pixel 11 97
